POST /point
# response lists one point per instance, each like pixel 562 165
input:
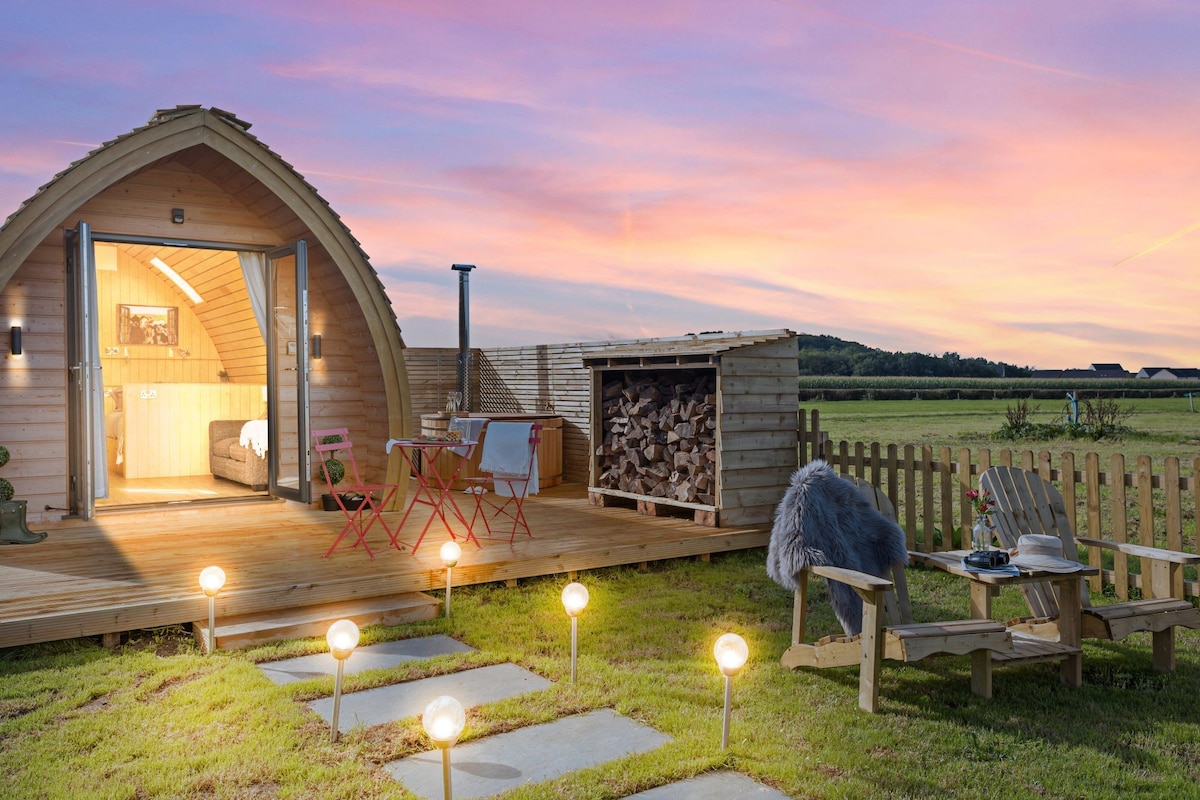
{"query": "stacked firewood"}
pixel 659 433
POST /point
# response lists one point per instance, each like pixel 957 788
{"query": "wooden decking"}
pixel 129 571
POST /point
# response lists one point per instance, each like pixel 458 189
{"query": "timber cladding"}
pixel 755 378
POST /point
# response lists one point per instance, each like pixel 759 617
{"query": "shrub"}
pixel 6 488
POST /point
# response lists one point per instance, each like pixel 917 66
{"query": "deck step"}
pixel 234 633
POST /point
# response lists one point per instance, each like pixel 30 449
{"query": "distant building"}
pixel 1092 373
pixel 1170 373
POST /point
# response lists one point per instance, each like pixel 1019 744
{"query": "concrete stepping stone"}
pixel 375 656
pixel 398 701
pixel 537 753
pixel 712 786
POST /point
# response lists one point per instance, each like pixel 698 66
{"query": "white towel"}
pixel 469 427
pixel 508 456
pixel 254 436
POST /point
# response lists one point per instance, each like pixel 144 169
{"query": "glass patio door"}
pixel 288 466
pixel 87 471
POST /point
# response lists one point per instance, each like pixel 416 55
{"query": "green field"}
pixel 1160 427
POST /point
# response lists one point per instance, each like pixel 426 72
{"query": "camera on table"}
pixel 987 559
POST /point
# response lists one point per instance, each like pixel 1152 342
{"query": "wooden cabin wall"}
pixel 33 386
pixel 193 360
pixel 346 383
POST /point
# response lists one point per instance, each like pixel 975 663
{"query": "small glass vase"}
pixel 981 533
pixel 453 401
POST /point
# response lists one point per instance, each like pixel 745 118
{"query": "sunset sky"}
pixel 1018 181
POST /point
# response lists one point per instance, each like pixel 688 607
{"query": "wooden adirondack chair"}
pixel 903 640
pixel 1027 503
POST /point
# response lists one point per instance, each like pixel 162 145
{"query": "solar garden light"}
pixel 450 553
pixel 342 638
pixel 731 653
pixel 574 599
pixel 443 720
pixel 211 581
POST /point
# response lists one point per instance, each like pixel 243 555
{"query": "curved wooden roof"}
pixel 168 134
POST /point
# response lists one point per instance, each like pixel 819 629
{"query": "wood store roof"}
pixel 698 348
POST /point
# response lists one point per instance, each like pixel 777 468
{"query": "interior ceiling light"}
pixel 178 280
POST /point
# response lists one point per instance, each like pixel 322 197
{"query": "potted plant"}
pixel 12 512
pixel 333 467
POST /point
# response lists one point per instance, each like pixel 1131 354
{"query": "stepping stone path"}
pixel 472 687
pixel 375 656
pixel 495 763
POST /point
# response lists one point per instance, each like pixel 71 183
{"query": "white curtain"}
pixel 254 271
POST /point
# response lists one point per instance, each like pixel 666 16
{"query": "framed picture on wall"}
pixel 148 325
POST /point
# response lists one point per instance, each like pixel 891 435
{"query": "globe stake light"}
pixel 342 638
pixel 450 554
pixel 443 720
pixel 731 653
pixel 211 581
pixel 574 599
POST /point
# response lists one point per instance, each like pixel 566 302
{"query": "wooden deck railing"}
pixel 1152 505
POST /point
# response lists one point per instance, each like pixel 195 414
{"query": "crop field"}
pixel 909 388
pixel 1159 427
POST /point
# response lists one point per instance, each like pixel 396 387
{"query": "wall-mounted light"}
pixel 177 216
pixel 14 341
pixel 316 346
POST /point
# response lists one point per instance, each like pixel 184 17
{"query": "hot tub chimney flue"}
pixel 463 371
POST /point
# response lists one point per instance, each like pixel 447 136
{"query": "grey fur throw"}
pixel 823 520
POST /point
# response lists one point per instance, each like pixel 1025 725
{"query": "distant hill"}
pixel 828 355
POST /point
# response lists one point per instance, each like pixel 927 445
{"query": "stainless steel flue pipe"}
pixel 463 365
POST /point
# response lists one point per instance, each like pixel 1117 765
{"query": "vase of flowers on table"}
pixel 981 532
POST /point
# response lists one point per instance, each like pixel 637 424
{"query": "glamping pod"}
pixel 178 309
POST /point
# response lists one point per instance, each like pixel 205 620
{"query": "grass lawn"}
pixel 154 718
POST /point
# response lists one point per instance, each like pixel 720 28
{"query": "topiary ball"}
pixel 336 470
pixel 3 455
pixel 6 490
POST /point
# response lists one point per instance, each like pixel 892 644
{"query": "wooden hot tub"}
pixel 549 451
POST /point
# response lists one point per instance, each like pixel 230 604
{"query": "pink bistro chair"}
pixel 510 455
pixel 359 516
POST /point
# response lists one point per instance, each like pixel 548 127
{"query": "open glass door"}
pixel 88 478
pixel 288 466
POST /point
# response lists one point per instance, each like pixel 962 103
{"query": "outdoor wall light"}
pixel 574 600
pixel 342 638
pixel 316 346
pixel 731 653
pixel 211 581
pixel 443 720
pixel 177 216
pixel 450 554
pixel 14 340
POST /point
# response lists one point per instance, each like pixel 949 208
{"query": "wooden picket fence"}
pixel 1152 505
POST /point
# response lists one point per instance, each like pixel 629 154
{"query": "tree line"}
pixel 828 355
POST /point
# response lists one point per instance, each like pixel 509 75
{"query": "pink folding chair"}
pixel 510 455
pixel 360 516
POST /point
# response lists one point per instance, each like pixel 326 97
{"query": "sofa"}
pixel 228 458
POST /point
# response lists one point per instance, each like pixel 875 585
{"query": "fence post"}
pixel 1116 480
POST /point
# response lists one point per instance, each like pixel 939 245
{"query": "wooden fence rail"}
pixel 1147 506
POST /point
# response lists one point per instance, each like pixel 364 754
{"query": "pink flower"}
pixel 982 500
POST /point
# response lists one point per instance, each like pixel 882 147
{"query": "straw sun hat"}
pixel 1039 551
